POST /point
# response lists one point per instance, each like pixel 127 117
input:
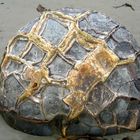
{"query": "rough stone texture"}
pixel 76 52
pixel 12 89
pixel 122 34
pixel 59 68
pixel 14 65
pixel 122 52
pixel 117 78
pixel 99 98
pixel 85 125
pixel 34 55
pixel 109 109
pixel 30 110
pixel 97 24
pixel 52 101
pixel 54 32
pixel 19 47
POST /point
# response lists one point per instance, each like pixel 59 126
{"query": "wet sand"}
pixel 16 13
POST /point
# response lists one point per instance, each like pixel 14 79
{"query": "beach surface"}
pixel 16 13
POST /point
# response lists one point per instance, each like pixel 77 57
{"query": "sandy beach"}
pixel 16 13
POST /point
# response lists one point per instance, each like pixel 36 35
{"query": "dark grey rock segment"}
pixel 124 118
pixel 124 50
pixel 134 92
pixel 119 105
pixel 123 43
pixel 123 110
pixel 30 110
pixel 106 117
pixel 54 32
pixel 24 83
pixel 3 103
pixel 41 129
pixel 133 104
pixel 76 52
pixel 59 68
pixel 12 89
pixel 118 77
pixel 136 66
pixel 123 35
pixel 53 104
pixel 137 84
pixel 97 24
pixel 14 67
pixel 112 44
pixel 124 80
pixel 131 88
pixel 34 55
pixel 112 131
pixel 19 47
pixel 84 125
pixel 99 98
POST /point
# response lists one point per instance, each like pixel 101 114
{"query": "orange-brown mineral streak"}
pixel 35 77
pixel 98 63
pixel 94 69
pixel 75 101
pixel 78 77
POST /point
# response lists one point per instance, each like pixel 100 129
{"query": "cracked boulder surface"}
pixel 71 72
